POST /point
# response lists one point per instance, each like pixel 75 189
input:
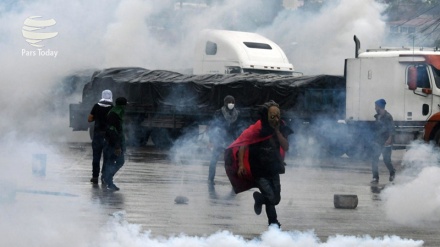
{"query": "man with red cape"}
pixel 256 158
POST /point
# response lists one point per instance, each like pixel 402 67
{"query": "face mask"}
pixel 230 106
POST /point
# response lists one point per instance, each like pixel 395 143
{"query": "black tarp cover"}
pixel 159 88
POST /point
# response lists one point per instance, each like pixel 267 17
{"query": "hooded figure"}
pixel 256 158
pixel 98 114
pixel 222 131
pixel 107 96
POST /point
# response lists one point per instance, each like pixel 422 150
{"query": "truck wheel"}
pixel 437 138
pixel 137 136
pixel 161 138
pixel 354 151
pixel 190 133
pixel 358 151
pixel 336 151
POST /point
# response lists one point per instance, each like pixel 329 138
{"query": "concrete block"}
pixel 345 201
pixel 181 200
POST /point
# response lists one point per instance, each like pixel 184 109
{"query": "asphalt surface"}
pixel 166 193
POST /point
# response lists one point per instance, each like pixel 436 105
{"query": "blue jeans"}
pixel 386 155
pixel 270 188
pixel 98 144
pixel 212 165
pixel 114 163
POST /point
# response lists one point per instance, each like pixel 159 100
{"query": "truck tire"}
pixel 334 141
pixel 354 151
pixel 190 133
pixel 359 139
pixel 161 138
pixel 359 151
pixel 437 138
pixel 336 151
pixel 136 135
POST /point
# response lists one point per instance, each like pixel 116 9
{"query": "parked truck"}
pixel 408 78
pixel 335 113
pixel 218 53
pixel 165 105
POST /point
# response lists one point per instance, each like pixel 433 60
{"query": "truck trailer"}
pixel 165 105
pixel 335 113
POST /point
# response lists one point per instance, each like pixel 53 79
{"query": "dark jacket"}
pixel 99 112
pixel 383 127
pixel 221 131
pixel 115 132
pixel 264 157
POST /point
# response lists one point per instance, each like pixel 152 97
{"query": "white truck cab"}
pixel 229 52
pixel 407 78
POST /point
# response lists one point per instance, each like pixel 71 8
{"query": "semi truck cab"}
pixel 231 52
pixel 407 78
pixel 432 125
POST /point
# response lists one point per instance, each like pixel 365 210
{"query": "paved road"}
pixel 64 201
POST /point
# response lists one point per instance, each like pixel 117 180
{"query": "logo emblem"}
pixel 31 29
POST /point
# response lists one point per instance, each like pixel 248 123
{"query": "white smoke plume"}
pixel 102 33
pixel 318 42
pixel 415 198
pixel 119 232
pixel 156 35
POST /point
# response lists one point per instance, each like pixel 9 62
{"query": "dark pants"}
pixel 113 164
pixel 98 144
pixel 270 188
pixel 214 158
pixel 386 155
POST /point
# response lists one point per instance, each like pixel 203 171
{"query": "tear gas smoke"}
pixel 318 42
pixel 98 34
pixel 414 199
pixel 119 232
pixel 154 35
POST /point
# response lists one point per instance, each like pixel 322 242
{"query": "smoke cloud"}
pixel 119 232
pixel 318 42
pixel 414 199
pixel 155 35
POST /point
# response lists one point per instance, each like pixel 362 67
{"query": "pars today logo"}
pixel 32 31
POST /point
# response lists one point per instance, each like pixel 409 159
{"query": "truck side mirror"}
pixel 412 78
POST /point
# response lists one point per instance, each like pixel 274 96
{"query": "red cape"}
pixel 249 136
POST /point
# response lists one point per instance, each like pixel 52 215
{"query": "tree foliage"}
pixel 427 11
pixel 405 8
